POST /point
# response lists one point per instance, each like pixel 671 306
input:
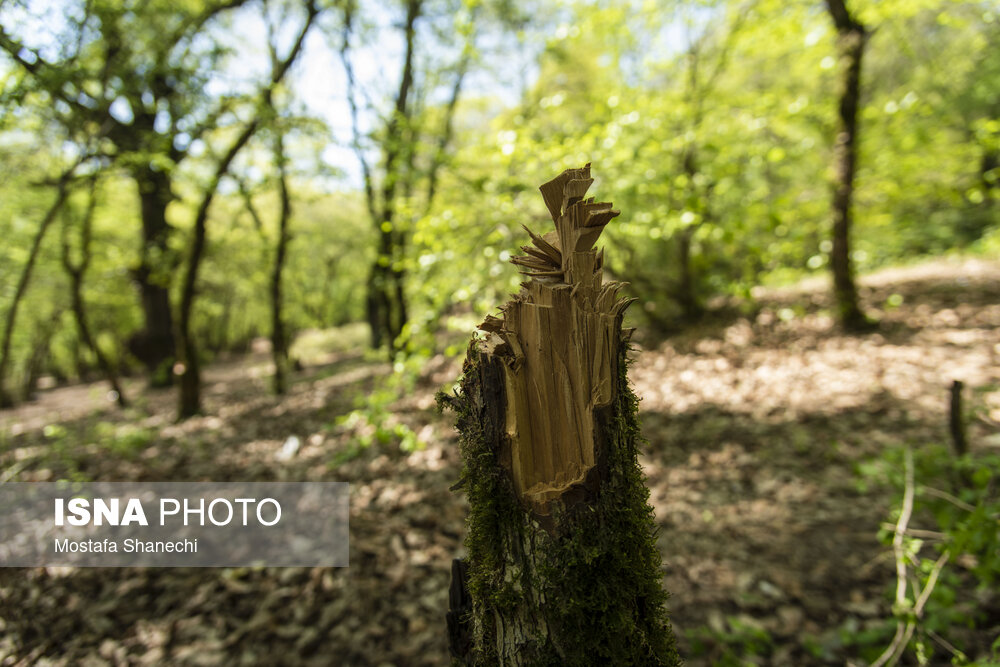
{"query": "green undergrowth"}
pixel 740 642
pixel 950 550
pixel 62 453
pixel 374 421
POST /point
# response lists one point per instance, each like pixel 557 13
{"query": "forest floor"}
pixel 757 428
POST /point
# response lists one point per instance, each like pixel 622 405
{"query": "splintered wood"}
pixel 559 340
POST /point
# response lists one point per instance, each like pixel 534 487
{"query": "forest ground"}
pixel 757 427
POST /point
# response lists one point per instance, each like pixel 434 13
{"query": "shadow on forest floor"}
pixel 755 432
pixel 910 303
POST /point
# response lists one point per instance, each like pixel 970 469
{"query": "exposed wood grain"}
pixel 559 340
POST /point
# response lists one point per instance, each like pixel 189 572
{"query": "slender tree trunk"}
pixel 387 306
pixel 374 308
pixel 851 39
pixel 989 176
pixel 80 314
pixel 372 292
pixel 562 561
pixel 222 343
pixel 76 272
pixel 400 310
pixel 189 403
pixel 62 190
pixel 155 345
pixel 687 294
pixel 279 344
pixel 80 365
pixel 687 297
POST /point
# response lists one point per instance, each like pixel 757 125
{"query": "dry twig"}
pixel 903 630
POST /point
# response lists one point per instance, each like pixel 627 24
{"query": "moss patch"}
pixel 587 592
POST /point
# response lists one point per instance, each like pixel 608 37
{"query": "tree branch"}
pixel 903 630
pixel 842 18
pixel 349 8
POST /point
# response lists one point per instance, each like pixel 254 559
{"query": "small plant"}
pixel 374 422
pixel 125 440
pixel 742 642
pixel 946 566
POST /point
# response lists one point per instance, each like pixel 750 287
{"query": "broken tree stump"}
pixel 562 565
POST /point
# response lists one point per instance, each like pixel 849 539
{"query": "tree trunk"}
pixel 62 189
pixel 374 308
pixel 562 561
pixel 989 176
pixel 687 296
pixel 80 314
pixel 386 299
pixel 76 273
pixel 189 403
pixel 155 345
pixel 851 39
pixel 279 344
pixel 687 292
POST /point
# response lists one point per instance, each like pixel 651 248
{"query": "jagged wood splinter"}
pixel 562 565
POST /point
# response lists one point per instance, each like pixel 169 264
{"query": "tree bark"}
pixel 562 561
pixel 279 343
pixel 62 190
pixel 851 39
pixel 155 345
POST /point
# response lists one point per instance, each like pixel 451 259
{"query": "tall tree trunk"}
pixel 80 365
pixel 562 561
pixel 687 296
pixel 989 176
pixel 374 308
pixel 851 39
pixel 279 344
pixel 62 190
pixel 155 345
pixel 189 403
pixel 687 291
pixel 385 301
pixel 76 272
pixel 80 315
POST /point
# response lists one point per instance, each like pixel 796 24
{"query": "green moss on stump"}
pixel 588 590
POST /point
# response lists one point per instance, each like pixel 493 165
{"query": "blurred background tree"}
pixel 386 177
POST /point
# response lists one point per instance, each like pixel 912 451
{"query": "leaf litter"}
pixel 755 427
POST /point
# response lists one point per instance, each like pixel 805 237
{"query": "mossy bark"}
pixel 852 37
pixel 562 565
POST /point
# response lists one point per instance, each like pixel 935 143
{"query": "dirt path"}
pixel 755 430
